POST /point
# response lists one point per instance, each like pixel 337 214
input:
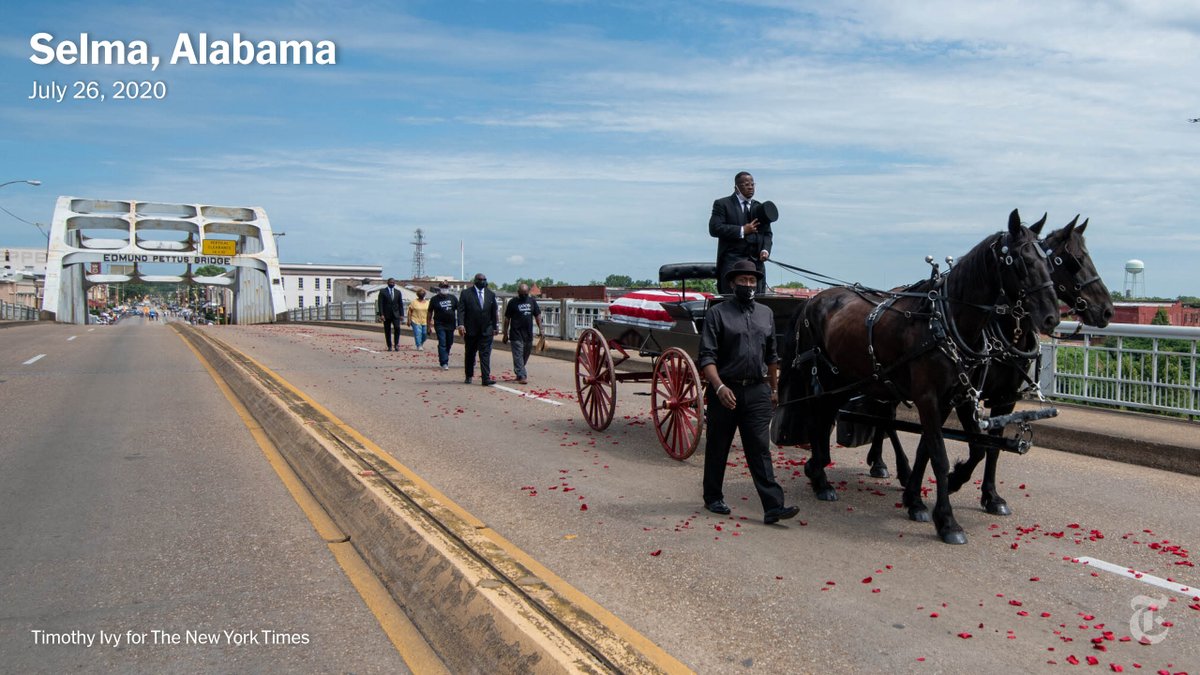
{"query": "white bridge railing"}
pixel 563 319
pixel 11 312
pixel 1150 368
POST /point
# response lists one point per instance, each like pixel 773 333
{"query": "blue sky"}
pixel 576 139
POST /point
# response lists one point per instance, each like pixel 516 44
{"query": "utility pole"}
pixel 418 262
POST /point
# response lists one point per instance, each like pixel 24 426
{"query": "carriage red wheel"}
pixel 595 379
pixel 675 399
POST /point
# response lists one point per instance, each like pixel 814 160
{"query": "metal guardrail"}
pixel 1149 368
pixel 562 319
pixel 11 312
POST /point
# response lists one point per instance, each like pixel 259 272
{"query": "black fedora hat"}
pixel 766 212
pixel 743 267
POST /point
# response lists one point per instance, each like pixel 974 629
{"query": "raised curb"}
pixel 482 609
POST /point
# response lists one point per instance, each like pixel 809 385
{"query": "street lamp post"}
pixel 34 183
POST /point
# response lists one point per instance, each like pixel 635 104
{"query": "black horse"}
pixel 925 345
pixel 1080 287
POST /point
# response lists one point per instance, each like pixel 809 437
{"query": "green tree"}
pixel 209 271
pixel 1161 318
pixel 791 284
pixel 694 285
pixel 618 281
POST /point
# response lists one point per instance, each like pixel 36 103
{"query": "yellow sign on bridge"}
pixel 218 247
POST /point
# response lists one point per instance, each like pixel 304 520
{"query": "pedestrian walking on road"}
pixel 519 316
pixel 418 318
pixel 443 319
pixel 478 323
pixel 389 308
pixel 739 360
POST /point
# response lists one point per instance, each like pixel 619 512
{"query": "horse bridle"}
pixel 1009 261
pixel 1071 263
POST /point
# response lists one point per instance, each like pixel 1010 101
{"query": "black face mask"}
pixel 480 284
pixel 743 293
pixel 522 295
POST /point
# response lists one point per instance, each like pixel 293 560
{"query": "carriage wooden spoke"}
pixel 677 403
pixel 595 379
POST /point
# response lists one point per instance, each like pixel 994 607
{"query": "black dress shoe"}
pixel 781 513
pixel 467 381
pixel 489 382
pixel 720 507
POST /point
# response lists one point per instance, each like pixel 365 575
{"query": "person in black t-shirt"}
pixel 443 318
pixel 519 316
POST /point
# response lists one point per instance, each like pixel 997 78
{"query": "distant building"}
pixel 1143 313
pixel 31 260
pixel 312 284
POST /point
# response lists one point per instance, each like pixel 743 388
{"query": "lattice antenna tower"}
pixel 418 242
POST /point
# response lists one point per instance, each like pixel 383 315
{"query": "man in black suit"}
pixel 478 323
pixel 741 234
pixel 389 308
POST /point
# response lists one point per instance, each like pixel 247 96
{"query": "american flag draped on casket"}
pixel 644 308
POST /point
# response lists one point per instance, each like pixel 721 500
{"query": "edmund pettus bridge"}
pixel 291 497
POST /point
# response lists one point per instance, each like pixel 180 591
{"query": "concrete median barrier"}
pixel 482 605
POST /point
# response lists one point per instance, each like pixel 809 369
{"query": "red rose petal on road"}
pixel 965 635
pixel 583 507
pixel 1072 660
pixel 867 580
pixel 656 553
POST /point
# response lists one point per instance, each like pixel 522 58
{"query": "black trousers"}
pixel 481 345
pixel 752 419
pixel 391 325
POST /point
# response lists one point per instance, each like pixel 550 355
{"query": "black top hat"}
pixel 765 212
pixel 743 267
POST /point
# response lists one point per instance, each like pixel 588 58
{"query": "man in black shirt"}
pixel 739 359
pixel 443 318
pixel 519 316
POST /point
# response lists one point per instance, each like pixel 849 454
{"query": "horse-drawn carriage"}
pixel 955 342
pixel 676 392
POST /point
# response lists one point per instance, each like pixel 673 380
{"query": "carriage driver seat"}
pixel 683 272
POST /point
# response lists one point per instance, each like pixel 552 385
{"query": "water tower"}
pixel 1135 280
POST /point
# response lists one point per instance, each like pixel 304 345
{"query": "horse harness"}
pixel 971 364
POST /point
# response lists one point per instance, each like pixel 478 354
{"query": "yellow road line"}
pixel 654 653
pixel 408 641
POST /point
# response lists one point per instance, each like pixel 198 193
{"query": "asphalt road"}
pixel 134 503
pixel 851 586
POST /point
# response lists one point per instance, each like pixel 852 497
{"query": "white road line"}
pixel 364 349
pixel 33 360
pixel 72 338
pixel 1140 576
pixel 525 394
pixel 91 329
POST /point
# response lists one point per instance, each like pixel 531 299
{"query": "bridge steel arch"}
pixel 229 236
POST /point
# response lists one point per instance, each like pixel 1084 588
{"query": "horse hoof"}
pixel 827 495
pixel 880 472
pixel 954 537
pixel 919 514
pixel 998 508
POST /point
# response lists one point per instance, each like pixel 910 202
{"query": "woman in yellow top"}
pixel 418 316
